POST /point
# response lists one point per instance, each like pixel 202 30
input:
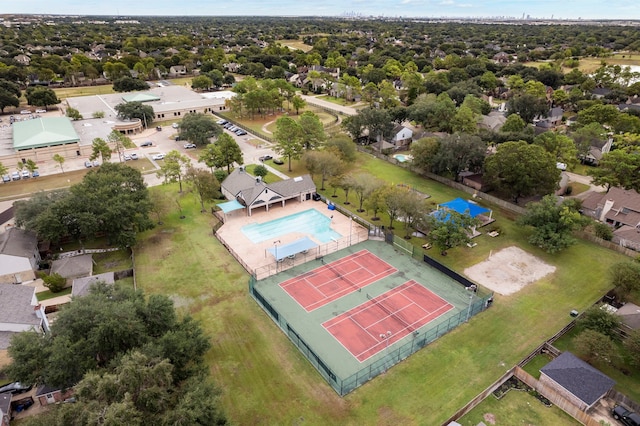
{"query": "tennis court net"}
pixel 342 277
pixel 391 312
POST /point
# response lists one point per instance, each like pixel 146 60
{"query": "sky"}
pixel 557 9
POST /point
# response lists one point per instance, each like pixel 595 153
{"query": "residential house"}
pixel 575 380
pixel 596 151
pixel 22 59
pixel 19 256
pixel 252 192
pixel 177 70
pixel 401 136
pixel 600 92
pixel 619 208
pixel 493 121
pixel 73 267
pixel 502 58
pixel 5 408
pixel 51 395
pixel 81 286
pixel 629 314
pixel 19 311
pixel 554 116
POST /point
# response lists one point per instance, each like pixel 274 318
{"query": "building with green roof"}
pixel 141 97
pixel 43 133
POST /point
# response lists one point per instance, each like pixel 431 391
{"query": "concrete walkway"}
pixel 314 100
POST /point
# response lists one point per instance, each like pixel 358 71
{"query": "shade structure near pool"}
pixel 291 249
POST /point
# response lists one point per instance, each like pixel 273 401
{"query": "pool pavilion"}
pixel 251 192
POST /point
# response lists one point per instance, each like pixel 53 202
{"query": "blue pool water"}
pixel 307 222
pixel 401 158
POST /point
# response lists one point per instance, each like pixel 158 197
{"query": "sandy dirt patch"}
pixel 509 270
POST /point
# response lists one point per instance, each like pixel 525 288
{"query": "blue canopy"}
pixel 465 207
pixel 291 249
pixel 230 206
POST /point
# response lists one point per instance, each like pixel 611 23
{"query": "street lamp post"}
pixel 350 226
pixel 275 243
pixel 386 336
pixel 471 290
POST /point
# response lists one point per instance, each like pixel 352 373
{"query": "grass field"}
pixel 23 188
pixel 296 44
pixel 45 295
pixel 266 381
pixel 516 408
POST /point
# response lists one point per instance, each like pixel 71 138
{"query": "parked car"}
pixel 222 122
pixel 278 161
pixel 625 416
pixel 158 156
pixel 6 178
pixel 240 132
pixel 190 146
pixel 35 174
pixel 96 163
pixel 227 125
pixel 127 157
pixel 146 144
pixel 175 125
pixel 41 111
pixel 134 156
pixel 159 128
pixel 233 128
pixel 15 176
pixel 88 164
pixel 15 388
pixel 26 174
pixel 25 111
pixel 265 158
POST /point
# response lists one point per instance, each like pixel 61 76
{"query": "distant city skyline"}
pixel 535 9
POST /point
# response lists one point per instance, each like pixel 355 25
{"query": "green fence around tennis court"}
pixel 343 385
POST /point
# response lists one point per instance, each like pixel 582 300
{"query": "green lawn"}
pixel 112 261
pixel 533 367
pixel 45 295
pixel 265 380
pixel 516 408
pixel 24 187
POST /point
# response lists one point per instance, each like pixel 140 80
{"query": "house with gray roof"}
pixel 81 286
pixel 252 192
pixel 629 314
pixel 19 256
pixel 19 311
pixel 576 380
pixel 73 267
pixel 620 209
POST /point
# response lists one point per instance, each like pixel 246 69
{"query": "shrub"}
pixel 568 190
pixel 603 231
pixel 98 114
pixel 55 282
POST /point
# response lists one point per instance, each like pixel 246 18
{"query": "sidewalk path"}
pixel 347 110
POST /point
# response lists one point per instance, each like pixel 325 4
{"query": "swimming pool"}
pixel 307 222
pixel 402 157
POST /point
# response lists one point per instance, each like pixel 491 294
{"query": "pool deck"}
pixel 256 257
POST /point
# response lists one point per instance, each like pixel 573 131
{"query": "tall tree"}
pixel 553 223
pixel 132 110
pixel 521 170
pixel 100 148
pixel 620 167
pixel 199 128
pixel 312 130
pixel 228 152
pixel 41 96
pixel 174 168
pixel 60 160
pixel 459 152
pixel 424 152
pixel 560 146
pixel 204 184
pixel 289 139
pixel 449 229
pixel 323 163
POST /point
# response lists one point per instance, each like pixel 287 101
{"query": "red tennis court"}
pixel 369 328
pixel 322 285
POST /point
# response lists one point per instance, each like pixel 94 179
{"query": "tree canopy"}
pixel 131 359
pixel 199 128
pixel 112 199
pixel 132 110
pixel 521 170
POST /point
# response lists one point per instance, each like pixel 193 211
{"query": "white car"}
pixel 190 146
pixel 41 111
pixel 127 157
pixel 175 125
pixel 159 156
